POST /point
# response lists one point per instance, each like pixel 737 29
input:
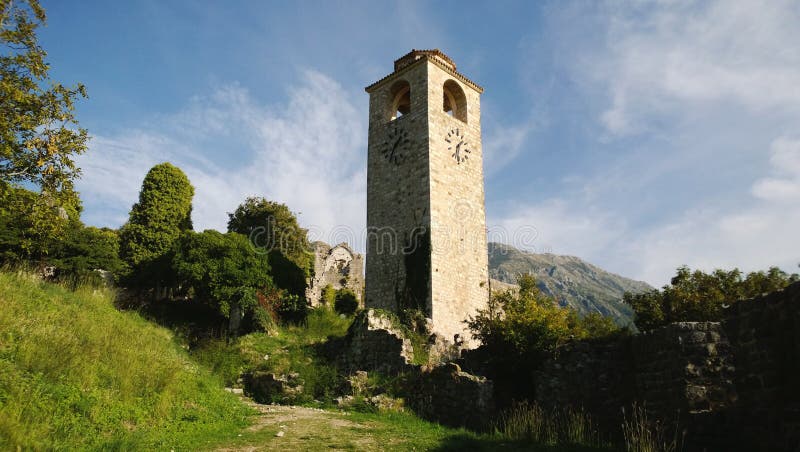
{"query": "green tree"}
pixel 84 251
pixel 164 211
pixel 222 271
pixel 518 331
pixel 696 296
pixel 39 135
pixel 273 228
pixel 25 235
pixel 345 302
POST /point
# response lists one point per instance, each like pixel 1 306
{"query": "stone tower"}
pixel 426 224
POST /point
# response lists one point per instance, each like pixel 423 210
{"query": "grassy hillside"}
pixel 75 373
pixel 568 279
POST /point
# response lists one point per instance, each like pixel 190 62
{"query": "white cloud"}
pixel 659 57
pixel 308 154
pixel 699 107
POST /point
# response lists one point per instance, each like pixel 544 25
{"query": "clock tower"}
pixel 426 224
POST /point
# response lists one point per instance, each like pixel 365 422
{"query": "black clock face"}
pixel 396 146
pixel 457 144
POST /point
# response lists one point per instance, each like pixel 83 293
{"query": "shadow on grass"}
pixel 470 442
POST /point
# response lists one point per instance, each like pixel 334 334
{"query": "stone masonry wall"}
pixel 447 395
pixel 440 393
pixel 426 244
pixel 732 385
pixel 338 266
pixel 374 344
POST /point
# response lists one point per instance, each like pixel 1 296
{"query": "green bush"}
pixel 519 331
pixel 345 302
pixel 221 270
pixel 695 296
pixel 328 297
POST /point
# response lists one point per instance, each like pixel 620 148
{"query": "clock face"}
pixel 457 144
pixel 396 146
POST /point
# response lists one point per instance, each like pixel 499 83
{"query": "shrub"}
pixel 328 296
pixel 222 271
pixel 519 331
pixel 345 302
pixel 698 296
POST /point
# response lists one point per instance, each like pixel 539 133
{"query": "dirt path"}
pixel 290 428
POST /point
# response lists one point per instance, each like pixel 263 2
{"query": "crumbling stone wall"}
pixel 732 384
pixel 442 393
pixel 338 266
pixel 450 396
pixel 373 343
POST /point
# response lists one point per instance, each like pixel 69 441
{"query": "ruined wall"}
pixel 731 384
pixel 447 395
pixel 338 266
pixel 440 393
pixel 374 344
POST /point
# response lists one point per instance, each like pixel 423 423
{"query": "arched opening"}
pixel 455 101
pixel 400 94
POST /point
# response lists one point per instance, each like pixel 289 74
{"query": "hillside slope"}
pixel 568 279
pixel 77 374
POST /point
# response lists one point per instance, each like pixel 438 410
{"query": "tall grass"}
pixel 75 373
pixel 645 435
pixel 560 426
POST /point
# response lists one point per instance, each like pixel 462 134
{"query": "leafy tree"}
pixel 85 250
pixel 24 233
pixel 345 302
pixel 273 228
pixel 698 296
pixel 155 222
pixel 222 271
pixel 518 331
pixel 39 135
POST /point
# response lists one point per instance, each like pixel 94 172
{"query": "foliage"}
pixel 644 435
pixel 85 250
pixel 155 223
pixel 76 374
pixel 519 331
pixel 290 348
pixel 698 296
pixel 345 302
pixel 39 135
pixel 273 228
pixel 328 297
pixel 28 231
pixel 221 270
pixel 534 424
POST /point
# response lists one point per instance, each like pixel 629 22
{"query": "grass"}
pixel 293 348
pixel 532 423
pixel 317 430
pixel 75 373
pixel 646 435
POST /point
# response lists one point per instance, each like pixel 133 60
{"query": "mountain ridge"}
pixel 569 279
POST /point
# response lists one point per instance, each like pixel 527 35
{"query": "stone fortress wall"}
pixel 733 385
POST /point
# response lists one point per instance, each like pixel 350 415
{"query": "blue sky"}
pixel 639 136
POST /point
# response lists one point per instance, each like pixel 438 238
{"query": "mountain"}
pixel 568 279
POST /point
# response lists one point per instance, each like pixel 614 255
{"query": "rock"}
pixel 280 433
pixel 266 387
